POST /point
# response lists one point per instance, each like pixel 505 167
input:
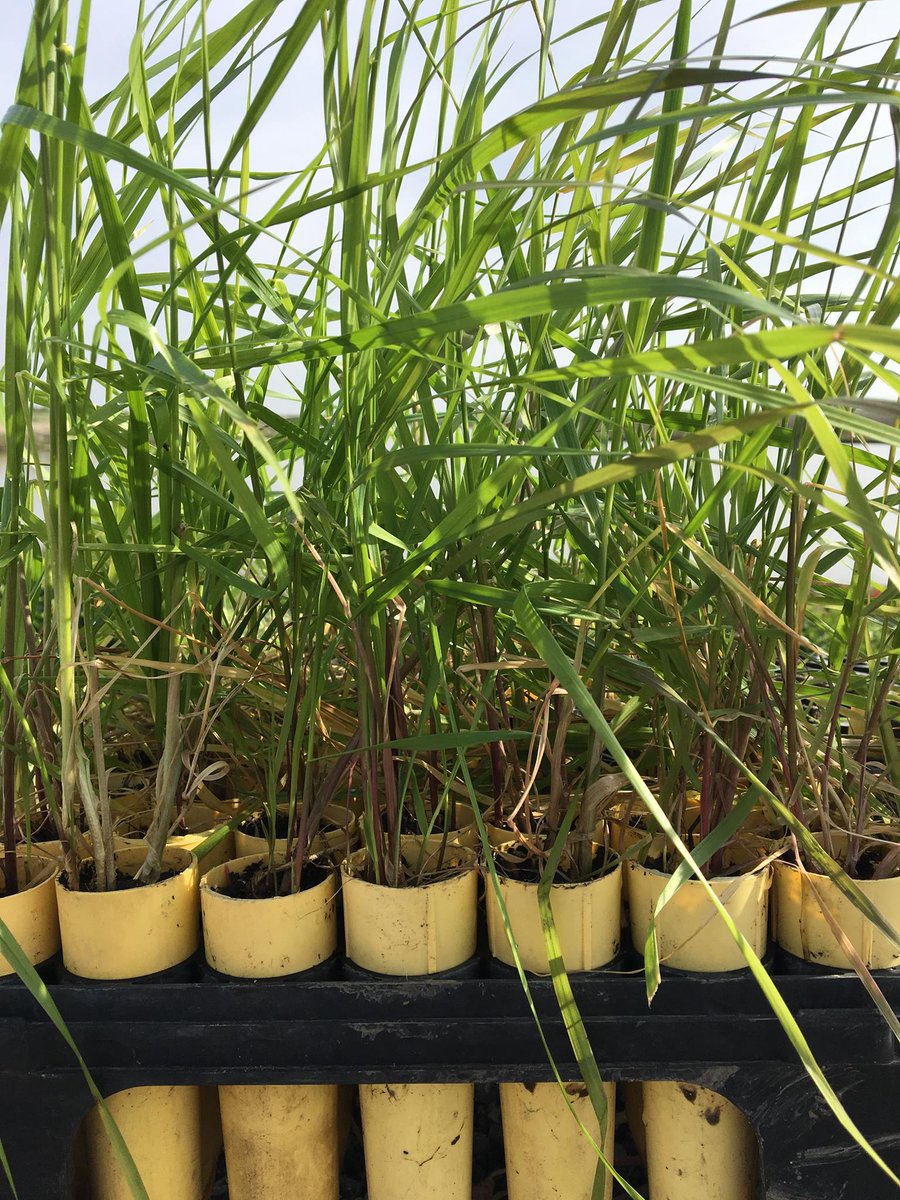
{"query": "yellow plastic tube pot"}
pixel 343 835
pixel 30 914
pixel 802 928
pixel 547 1153
pixel 163 1128
pixel 464 832
pixel 587 917
pixel 201 823
pixel 125 934
pixel 265 939
pixel 698 1143
pixel 279 1140
pixel 690 933
pixel 52 849
pixel 418 1137
pixel 411 930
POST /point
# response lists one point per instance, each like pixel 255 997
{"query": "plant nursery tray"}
pixel 338 1024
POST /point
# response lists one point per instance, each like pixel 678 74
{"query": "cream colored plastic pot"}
pixel 262 939
pixel 30 914
pixel 465 832
pixel 697 1142
pixel 280 1140
pixel 547 1154
pixel 418 1137
pixel 411 930
pixel 53 850
pixel 123 935
pixel 690 933
pixel 587 917
pixel 163 1128
pixel 341 837
pixel 201 823
pixel 802 928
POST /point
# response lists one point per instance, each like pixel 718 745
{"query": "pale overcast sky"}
pixel 293 127
pixel 292 131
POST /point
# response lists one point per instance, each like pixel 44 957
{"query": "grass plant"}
pixel 566 404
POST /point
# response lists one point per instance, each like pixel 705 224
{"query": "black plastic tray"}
pixel 340 1025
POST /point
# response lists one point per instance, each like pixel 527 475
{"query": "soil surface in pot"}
pixel 517 864
pixel 257 882
pixel 260 826
pixel 452 865
pixel 866 865
pixel 87 879
pixel 666 866
pixel 488 1168
pixel 409 824
pixel 871 859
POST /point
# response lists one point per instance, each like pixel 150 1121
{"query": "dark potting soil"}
pixel 87 881
pixel 257 882
pixel 451 864
pixel 866 865
pixel 516 863
pixel 488 1167
pixel 667 865
pixel 260 826
pixel 869 862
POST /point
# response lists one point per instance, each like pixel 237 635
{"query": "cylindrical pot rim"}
pixel 586 913
pixel 35 865
pixel 261 813
pixel 269 936
pixel 130 932
pixel 351 864
pixel 614 864
pixel 841 839
pixel 805 895
pixel 30 914
pixel 743 871
pixel 411 930
pixel 756 869
pixel 178 858
pixel 137 834
pixel 691 935
pixel 246 860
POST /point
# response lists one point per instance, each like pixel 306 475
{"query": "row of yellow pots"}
pixel 339 834
pixel 418 1137
pixel 798 923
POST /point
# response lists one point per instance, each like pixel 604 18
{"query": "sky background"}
pixel 292 131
